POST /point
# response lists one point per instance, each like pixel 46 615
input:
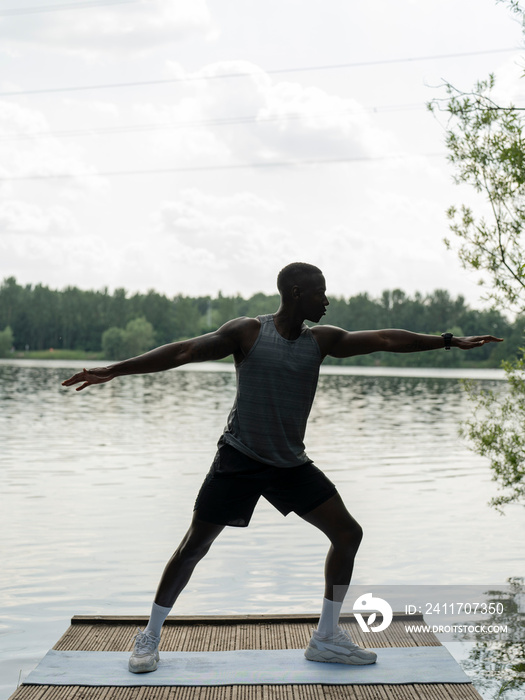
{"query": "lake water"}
pixel 98 488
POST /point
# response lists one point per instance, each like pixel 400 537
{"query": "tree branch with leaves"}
pixel 486 145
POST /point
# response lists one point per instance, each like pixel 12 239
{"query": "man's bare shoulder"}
pixel 327 331
pixel 243 332
pixel 326 336
pixel 240 326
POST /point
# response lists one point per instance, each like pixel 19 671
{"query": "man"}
pixel 261 452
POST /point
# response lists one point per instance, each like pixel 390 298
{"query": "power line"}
pixel 277 71
pixel 227 121
pixel 63 6
pixel 217 168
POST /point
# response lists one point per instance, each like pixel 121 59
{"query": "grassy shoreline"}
pixel 56 355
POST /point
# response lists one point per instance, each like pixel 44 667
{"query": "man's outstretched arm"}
pixel 227 340
pixel 340 343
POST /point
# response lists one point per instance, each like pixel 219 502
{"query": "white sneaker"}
pixel 145 656
pixel 338 649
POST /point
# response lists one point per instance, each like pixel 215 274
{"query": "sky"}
pixel 193 147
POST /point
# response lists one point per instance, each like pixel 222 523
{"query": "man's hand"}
pixel 99 375
pixel 473 341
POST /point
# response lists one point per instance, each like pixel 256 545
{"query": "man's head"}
pixel 304 286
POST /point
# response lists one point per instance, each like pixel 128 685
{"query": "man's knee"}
pixel 349 537
pixel 198 540
pixel 193 552
pixel 357 534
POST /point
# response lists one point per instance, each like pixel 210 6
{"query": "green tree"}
pixel 159 311
pixel 497 431
pixel 114 343
pixel 6 341
pixel 136 338
pixel 139 337
pixel 486 145
pixel 187 318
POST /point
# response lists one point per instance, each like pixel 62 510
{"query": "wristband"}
pixel 447 338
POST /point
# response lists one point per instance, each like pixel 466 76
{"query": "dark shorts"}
pixel 235 483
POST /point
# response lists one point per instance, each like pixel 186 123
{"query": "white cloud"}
pixel 280 119
pixel 22 218
pixel 17 119
pixel 22 156
pixel 173 131
pixel 238 201
pixel 510 82
pixel 101 108
pixel 369 225
pixel 221 226
pixel 395 241
pixel 43 240
pixel 135 27
pixel 222 242
pixel 310 122
pixel 58 260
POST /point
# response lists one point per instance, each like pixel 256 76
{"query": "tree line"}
pixel 35 317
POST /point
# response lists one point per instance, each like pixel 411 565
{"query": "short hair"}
pixel 294 273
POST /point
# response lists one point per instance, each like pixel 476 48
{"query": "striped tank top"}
pixel 276 384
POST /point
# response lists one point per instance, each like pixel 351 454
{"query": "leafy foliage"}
pixel 6 341
pixel 114 343
pixel 136 338
pixel 496 430
pixel 486 144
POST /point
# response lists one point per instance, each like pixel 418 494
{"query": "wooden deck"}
pixel 238 632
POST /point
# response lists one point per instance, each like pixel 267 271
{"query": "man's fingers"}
pixel 71 380
pixel 78 377
pixel 477 341
pixel 89 377
pixel 481 340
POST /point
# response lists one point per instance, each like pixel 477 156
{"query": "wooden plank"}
pixel 224 637
pixel 218 619
pixel 261 692
pixel 228 632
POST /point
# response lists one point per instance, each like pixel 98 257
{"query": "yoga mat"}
pixel 246 667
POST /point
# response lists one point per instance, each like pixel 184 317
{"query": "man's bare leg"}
pixel 345 535
pixel 194 546
pixel 329 642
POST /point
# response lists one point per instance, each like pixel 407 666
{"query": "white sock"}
pixel 329 618
pixel 158 615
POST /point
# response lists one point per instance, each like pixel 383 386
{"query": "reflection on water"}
pixel 98 487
